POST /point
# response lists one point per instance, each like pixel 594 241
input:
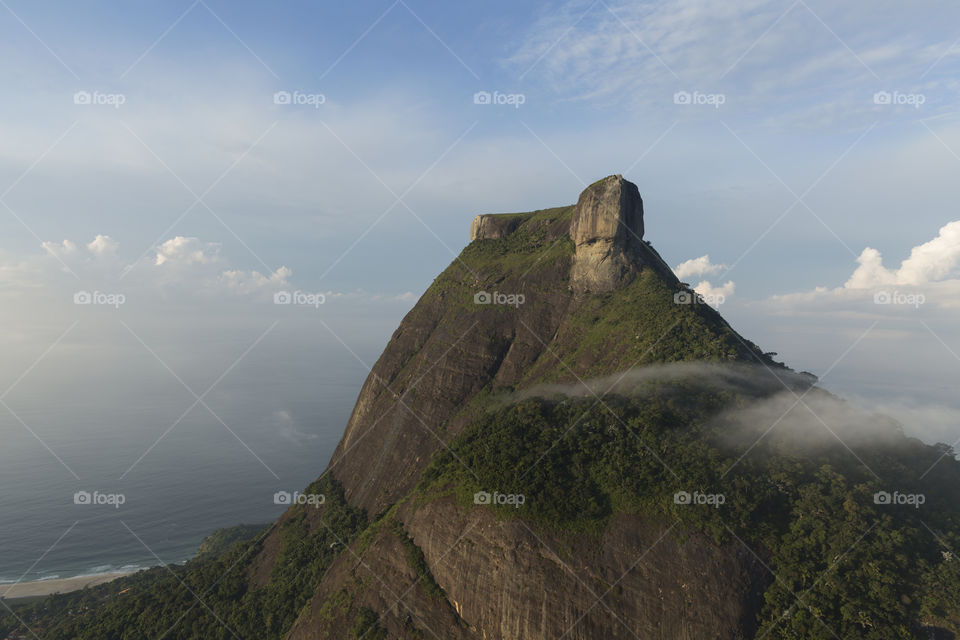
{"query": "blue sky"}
pixel 787 162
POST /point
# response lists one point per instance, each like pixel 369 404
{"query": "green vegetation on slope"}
pixel 862 570
pixel 207 598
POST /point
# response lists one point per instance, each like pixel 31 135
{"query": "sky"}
pixel 178 164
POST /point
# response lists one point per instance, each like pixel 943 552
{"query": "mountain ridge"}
pixel 662 476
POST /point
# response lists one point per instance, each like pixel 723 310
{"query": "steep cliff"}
pixel 557 296
pixel 519 306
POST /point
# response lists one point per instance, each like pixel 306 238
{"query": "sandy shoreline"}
pixel 59 585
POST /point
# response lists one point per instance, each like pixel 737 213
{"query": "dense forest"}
pixel 841 557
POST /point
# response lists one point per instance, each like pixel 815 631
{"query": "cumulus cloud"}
pixel 697 267
pixel 703 267
pixel 102 246
pixel 65 248
pixel 249 281
pixel 709 291
pixel 187 251
pixel 929 274
pixel 932 261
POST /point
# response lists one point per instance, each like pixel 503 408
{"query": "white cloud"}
pixel 932 261
pixel 703 267
pixel 697 267
pixel 930 275
pixel 250 281
pixel 758 53
pixel 65 248
pixel 102 246
pixel 709 291
pixel 187 251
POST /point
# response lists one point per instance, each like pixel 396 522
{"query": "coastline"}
pixel 40 588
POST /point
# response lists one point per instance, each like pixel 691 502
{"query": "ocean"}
pixel 197 478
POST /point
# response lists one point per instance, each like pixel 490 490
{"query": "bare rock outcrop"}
pixel 607 230
pixel 491 226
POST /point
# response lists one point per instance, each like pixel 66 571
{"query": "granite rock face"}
pixel 607 230
pixel 454 352
pixel 509 580
pixel 491 226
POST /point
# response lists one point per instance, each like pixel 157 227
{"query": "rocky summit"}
pixel 560 440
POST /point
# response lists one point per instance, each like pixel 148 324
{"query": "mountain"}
pixel 561 440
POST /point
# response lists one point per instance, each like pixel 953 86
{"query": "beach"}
pixel 58 585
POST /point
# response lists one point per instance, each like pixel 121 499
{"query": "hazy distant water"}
pixel 196 479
